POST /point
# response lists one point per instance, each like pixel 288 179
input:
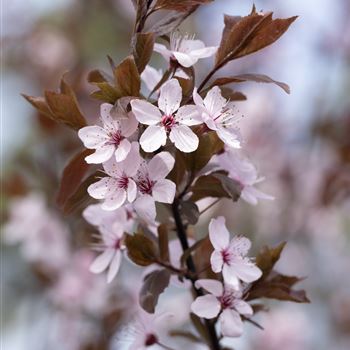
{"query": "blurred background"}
pixel 299 142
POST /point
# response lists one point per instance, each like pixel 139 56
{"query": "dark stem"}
pixel 181 234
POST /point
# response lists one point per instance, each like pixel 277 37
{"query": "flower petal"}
pixel 207 306
pixel 115 200
pixel 101 188
pixel 243 308
pixel 216 261
pixel 160 165
pixel 218 233
pixel 132 162
pixel 251 195
pixel 145 112
pixel 114 266
pixel 132 190
pixel 231 323
pixel 93 136
pixel 240 245
pixel 153 138
pixel 122 150
pixel 189 115
pixel 164 191
pixel 212 286
pixel 170 97
pixel 186 60
pixel 107 120
pixel 230 277
pixel 101 155
pixel 128 125
pixel 151 76
pixel 214 101
pixel 162 49
pixel 246 271
pixel 204 52
pixel 184 138
pixel 229 137
pixel 102 261
pixel 145 208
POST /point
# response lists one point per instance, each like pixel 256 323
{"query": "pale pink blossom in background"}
pixel 219 115
pixel 169 119
pixel 230 256
pixel 223 300
pixel 111 138
pixel 153 186
pixel 119 185
pixel 184 49
pixel 242 170
pixel 42 237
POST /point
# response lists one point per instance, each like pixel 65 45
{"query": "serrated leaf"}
pixel 107 93
pixel 153 286
pixel 127 78
pixel 72 176
pixel 141 249
pixel 258 78
pixel 267 258
pixel 98 76
pixel 143 49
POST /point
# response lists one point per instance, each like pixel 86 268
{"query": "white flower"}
pixel 109 139
pixel 167 119
pixel 243 171
pixel 119 185
pixel 153 186
pixel 224 300
pixel 184 50
pixel 230 256
pixel 218 114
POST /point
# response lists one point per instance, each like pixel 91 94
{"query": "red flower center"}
pixel 150 340
pixel 145 185
pixel 226 256
pixel 116 138
pixel 168 122
pixel 123 182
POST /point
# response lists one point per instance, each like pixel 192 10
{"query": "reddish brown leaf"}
pixel 143 49
pixel 183 5
pixel 268 257
pixel 141 250
pixel 73 174
pixel 163 242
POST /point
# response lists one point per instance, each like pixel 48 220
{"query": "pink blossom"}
pixel 168 119
pixel 243 171
pixel 111 138
pixel 153 186
pixel 219 115
pixel 119 185
pixel 184 50
pixel 225 300
pixel 230 256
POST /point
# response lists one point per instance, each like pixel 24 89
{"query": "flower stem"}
pixel 181 234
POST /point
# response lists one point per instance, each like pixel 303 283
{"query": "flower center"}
pixel 117 244
pixel 168 122
pixel 123 182
pixel 226 256
pixel 115 138
pixel 150 340
pixel 226 300
pixel 145 185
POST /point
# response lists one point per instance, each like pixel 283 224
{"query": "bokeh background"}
pixel 300 142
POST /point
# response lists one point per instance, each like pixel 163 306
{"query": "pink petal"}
pixel 122 150
pixel 230 277
pixel 251 195
pixel 164 191
pixel 145 112
pixel 105 111
pixel 101 155
pixel 151 76
pixel 93 136
pixel 218 233
pixel 132 190
pixel 212 286
pixel 216 261
pixel 229 137
pixel 246 271
pixel 145 208
pixel 102 261
pixel 204 52
pixel 128 125
pixel 197 98
pixel 114 266
pixel 214 101
pixel 162 49
pixel 101 188
pixel 243 308
pixel 153 138
pixel 231 323
pixel 189 115
pixel 240 245
pixel 115 200
pixel 207 306
pixel 160 165
pixel 184 138
pixel 186 60
pixel 170 97
pixel 132 162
